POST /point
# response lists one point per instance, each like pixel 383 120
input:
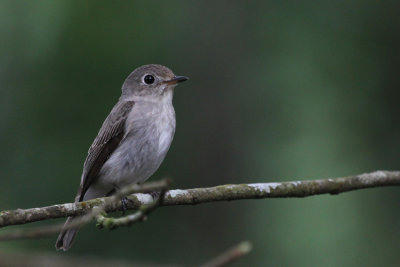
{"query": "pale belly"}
pixel 141 151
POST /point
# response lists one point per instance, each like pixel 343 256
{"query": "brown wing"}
pixel 110 135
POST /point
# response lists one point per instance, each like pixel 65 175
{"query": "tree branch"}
pixel 140 215
pixel 203 195
pixel 96 212
pixel 230 256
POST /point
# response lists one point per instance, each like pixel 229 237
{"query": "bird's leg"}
pixel 124 200
pixel 155 194
pixel 124 204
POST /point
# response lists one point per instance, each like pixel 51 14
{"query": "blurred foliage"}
pixel 278 90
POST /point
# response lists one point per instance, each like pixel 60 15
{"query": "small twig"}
pixel 230 256
pixel 140 215
pixel 95 212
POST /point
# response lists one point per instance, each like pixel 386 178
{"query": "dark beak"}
pixel 177 79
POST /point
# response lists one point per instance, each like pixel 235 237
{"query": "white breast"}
pixel 150 128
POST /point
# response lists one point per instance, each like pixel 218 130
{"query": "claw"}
pixel 155 194
pixel 124 204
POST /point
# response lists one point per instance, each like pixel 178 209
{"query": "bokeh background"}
pixel 278 91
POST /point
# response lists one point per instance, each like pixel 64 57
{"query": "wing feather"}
pixel 110 135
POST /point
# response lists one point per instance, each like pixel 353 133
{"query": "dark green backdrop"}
pixel 278 90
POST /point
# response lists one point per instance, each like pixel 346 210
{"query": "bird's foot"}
pixel 155 194
pixel 124 204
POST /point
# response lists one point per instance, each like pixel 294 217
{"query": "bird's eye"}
pixel 148 79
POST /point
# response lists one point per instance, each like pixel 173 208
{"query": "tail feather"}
pixel 66 237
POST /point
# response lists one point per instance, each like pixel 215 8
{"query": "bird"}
pixel 133 140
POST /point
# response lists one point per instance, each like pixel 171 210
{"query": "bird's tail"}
pixel 66 237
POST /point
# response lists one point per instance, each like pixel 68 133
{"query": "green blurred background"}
pixel 278 90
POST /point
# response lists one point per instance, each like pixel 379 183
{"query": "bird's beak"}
pixel 176 79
